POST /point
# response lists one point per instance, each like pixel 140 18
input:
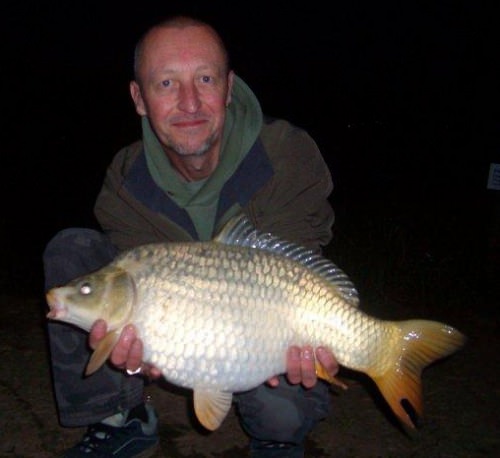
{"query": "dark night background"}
pixel 400 97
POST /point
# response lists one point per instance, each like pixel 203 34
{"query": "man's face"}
pixel 183 89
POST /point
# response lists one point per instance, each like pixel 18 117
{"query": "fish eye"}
pixel 86 288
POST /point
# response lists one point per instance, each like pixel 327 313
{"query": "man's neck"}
pixel 194 168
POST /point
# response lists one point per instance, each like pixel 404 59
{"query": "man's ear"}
pixel 135 92
pixel 230 80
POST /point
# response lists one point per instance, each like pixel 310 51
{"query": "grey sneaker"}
pixel 136 437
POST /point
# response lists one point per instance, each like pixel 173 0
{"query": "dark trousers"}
pixel 283 414
pixel 82 400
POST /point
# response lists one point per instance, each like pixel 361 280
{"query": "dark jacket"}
pixel 282 184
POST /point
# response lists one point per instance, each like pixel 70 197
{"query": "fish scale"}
pixel 218 317
pixel 207 317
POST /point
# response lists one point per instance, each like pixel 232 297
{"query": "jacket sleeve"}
pixel 294 204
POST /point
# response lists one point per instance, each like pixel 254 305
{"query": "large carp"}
pixel 217 317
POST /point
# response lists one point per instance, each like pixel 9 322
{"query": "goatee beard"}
pixel 181 150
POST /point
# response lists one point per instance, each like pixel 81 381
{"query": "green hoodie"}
pixel 200 198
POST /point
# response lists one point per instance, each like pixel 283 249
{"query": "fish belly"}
pixel 227 347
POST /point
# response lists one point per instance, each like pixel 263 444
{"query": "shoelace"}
pixel 95 438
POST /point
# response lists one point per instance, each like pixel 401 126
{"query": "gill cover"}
pixel 115 293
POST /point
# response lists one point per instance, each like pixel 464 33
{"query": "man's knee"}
pixel 283 414
pixel 73 240
pixel 73 252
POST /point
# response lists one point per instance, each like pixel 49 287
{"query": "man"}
pixel 207 153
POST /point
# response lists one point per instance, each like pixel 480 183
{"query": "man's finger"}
pixel 134 359
pixel 154 372
pixel 327 360
pixel 293 366
pixel 119 355
pixel 97 332
pixel 273 382
pixel 308 370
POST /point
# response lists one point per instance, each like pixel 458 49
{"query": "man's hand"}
pixel 127 353
pixel 301 365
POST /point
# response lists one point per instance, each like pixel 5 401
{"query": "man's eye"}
pixel 206 79
pixel 166 83
pixel 86 289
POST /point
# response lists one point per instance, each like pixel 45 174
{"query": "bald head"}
pixel 180 23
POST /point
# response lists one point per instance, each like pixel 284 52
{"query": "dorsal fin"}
pixel 241 232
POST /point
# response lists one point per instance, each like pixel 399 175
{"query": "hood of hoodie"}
pixel 242 126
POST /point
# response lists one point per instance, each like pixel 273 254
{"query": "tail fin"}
pixel 421 343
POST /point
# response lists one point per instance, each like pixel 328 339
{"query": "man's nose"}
pixel 189 99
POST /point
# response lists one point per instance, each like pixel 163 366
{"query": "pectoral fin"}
pixel 102 352
pixel 323 374
pixel 211 407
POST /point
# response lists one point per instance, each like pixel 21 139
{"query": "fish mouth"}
pixel 57 310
